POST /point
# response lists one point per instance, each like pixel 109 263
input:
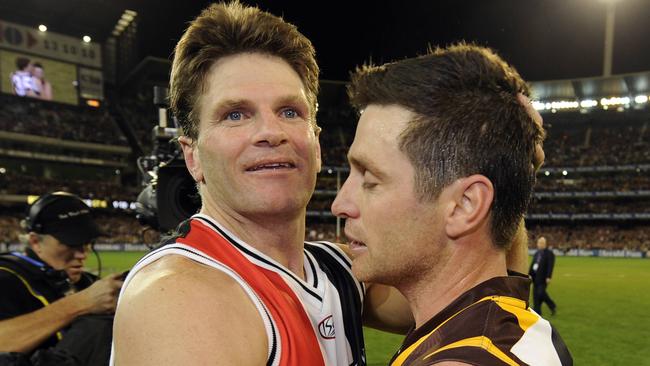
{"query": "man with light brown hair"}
pixel 238 285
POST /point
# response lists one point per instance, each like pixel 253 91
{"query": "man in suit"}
pixel 541 270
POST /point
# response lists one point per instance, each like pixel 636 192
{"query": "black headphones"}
pixel 31 221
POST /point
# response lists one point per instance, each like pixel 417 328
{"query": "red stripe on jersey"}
pixel 297 338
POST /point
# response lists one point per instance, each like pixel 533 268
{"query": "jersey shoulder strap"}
pixel 337 267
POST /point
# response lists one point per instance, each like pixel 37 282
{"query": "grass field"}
pixel 603 309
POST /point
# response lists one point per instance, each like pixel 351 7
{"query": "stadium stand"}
pixel 602 201
pixel 56 120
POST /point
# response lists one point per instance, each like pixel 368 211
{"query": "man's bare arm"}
pixel 178 312
pixel 386 309
pixel 24 333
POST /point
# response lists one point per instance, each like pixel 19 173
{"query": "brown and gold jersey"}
pixel 490 324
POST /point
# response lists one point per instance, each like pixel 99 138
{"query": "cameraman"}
pixel 45 296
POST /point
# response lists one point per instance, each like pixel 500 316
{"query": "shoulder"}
pixel 193 305
pixel 11 271
pixel 182 279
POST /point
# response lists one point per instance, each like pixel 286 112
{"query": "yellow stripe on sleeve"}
pixel 39 297
pixel 480 342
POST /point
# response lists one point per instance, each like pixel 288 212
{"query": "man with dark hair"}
pixel 442 170
pixel 238 285
pixel 21 79
pixel 42 87
pixel 541 270
pixel 46 293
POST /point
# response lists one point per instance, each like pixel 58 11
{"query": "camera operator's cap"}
pixel 64 216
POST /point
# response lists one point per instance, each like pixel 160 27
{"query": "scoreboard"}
pixel 49 66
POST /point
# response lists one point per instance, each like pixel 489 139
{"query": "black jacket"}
pixel 542 265
pixel 27 285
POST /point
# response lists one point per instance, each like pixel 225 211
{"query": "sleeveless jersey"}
pixel 312 322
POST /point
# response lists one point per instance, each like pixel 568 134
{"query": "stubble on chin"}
pixel 396 274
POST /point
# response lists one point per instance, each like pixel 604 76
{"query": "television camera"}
pixel 169 195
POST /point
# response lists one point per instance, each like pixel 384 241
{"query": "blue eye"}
pixel 290 113
pixel 235 116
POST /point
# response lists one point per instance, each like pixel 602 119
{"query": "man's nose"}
pixel 270 131
pixel 343 205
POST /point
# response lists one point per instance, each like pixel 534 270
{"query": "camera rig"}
pixel 169 195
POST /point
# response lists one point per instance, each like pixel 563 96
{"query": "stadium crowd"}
pixel 110 190
pixel 595 139
pixel 588 206
pixel 608 237
pixel 599 138
pixel 60 121
pixel 619 183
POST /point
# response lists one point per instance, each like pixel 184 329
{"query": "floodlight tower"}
pixel 608 54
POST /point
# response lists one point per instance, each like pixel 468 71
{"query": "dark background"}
pixel 544 39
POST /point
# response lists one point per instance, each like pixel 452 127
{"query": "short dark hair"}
pixel 469 121
pixel 227 29
pixel 22 63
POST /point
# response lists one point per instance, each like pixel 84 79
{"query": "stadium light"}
pixel 123 22
pixel 641 99
pixel 128 17
pixel 614 101
pixel 87 39
pixel 556 105
pixel 42 28
pixel 547 173
pixel 93 103
pixel 564 173
pixel 3 170
pixel 588 103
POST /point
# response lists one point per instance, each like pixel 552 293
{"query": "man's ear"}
pixel 191 155
pixel 471 198
pixel 34 242
pixel 319 161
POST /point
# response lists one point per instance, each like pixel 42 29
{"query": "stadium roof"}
pixel 592 88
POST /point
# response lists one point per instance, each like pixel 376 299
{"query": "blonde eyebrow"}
pixel 240 103
pixel 229 104
pixel 292 99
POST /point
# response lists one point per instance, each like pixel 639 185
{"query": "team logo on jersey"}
pixel 326 328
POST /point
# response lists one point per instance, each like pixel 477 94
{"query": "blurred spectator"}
pixel 34 117
pixel 594 237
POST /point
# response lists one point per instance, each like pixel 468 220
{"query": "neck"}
pixel 469 264
pixel 281 237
